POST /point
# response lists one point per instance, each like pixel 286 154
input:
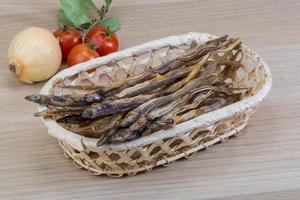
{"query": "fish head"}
pixel 34 98
pixel 89 113
pixel 91 98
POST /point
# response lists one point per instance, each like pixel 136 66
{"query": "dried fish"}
pixel 143 109
pixel 156 113
pixel 139 124
pixel 101 92
pixel 215 104
pixel 198 99
pixel 203 97
pixel 194 73
pixel 98 125
pixel 56 111
pixel 153 126
pixel 181 89
pixel 109 129
pixel 105 136
pixel 210 45
pixel 72 119
pixel 173 64
pixel 158 81
pixel 65 100
pixel 120 105
pixel 167 108
pixel 123 135
pixel 230 69
pixel 235 42
pixel 141 127
pixel 203 61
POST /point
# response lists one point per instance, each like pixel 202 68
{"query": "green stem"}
pixel 84 32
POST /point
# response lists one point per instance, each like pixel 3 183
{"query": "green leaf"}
pixel 63 19
pixel 107 3
pixel 88 5
pixel 85 25
pixel 113 23
pixel 75 12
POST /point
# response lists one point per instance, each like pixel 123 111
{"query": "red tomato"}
pixel 67 40
pixel 105 41
pixel 81 53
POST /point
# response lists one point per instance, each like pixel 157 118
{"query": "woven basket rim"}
pixel 206 120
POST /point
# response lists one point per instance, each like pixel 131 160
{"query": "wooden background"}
pixel 263 163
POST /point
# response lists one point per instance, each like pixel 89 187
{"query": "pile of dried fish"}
pixel 171 93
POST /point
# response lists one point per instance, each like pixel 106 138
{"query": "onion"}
pixel 34 55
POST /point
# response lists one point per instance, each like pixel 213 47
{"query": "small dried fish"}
pixel 56 111
pixel 235 43
pixel 85 133
pixel 210 45
pixel 101 92
pixel 123 135
pixel 151 129
pixel 120 105
pixel 133 115
pixel 222 61
pixel 167 108
pixel 98 128
pixel 109 129
pixel 230 70
pixel 158 125
pixel 105 136
pixel 198 99
pixel 194 73
pixel 163 110
pixel 156 113
pixel 203 97
pixel 181 89
pixel 65 100
pixel 139 124
pixel 147 75
pixel 98 125
pixel 72 119
pixel 216 104
pixel 166 124
pixel 166 67
pixel 144 127
pixel 158 81
pixel 143 109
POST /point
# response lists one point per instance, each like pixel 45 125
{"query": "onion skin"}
pixel 34 55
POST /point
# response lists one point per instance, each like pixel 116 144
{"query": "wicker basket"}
pixel 165 146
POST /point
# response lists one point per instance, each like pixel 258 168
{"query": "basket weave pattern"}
pixel 117 163
pixel 162 147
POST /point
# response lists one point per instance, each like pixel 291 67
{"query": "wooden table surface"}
pixel 263 163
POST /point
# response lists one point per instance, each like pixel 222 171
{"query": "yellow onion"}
pixel 34 55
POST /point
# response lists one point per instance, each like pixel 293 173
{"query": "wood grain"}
pixel 263 163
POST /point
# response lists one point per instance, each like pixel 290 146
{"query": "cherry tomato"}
pixel 104 40
pixel 81 53
pixel 67 40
